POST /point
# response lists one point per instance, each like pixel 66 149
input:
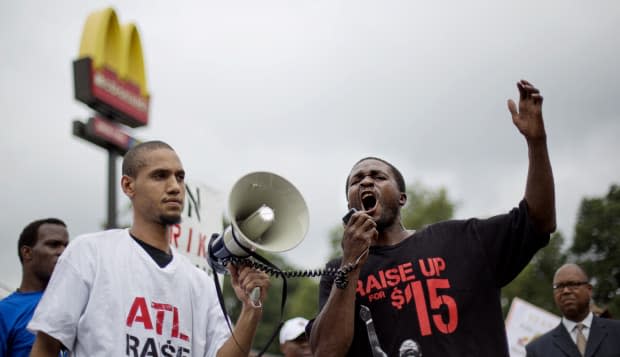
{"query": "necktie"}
pixel 581 339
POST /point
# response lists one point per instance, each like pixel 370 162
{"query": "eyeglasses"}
pixel 571 285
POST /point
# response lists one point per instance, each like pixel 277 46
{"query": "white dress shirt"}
pixel 572 331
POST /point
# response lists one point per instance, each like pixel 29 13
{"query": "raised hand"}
pixel 528 117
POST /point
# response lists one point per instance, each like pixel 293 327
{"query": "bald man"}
pixel 580 333
pixel 127 292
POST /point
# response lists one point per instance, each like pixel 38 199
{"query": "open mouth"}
pixel 369 201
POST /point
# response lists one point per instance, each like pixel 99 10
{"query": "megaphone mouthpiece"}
pixel 257 223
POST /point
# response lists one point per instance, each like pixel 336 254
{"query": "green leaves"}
pixel 533 284
pixel 597 246
pixel 425 206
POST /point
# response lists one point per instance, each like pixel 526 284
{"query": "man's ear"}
pixel 26 252
pixel 128 186
pixel 403 199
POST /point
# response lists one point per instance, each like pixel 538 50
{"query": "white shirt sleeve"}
pixel 217 331
pixel 62 304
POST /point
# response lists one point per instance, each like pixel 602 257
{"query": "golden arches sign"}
pixel 109 74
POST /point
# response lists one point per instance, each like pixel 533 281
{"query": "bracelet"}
pixel 341 274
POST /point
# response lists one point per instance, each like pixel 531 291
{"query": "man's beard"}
pixel 388 216
pixel 167 220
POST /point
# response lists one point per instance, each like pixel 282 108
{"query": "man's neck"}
pixel 392 235
pixel 30 283
pixel 153 234
pixel 579 318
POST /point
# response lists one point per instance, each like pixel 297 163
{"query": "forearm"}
pixel 45 346
pixel 243 334
pixel 332 331
pixel 539 189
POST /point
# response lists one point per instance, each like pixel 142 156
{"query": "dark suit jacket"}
pixel 603 341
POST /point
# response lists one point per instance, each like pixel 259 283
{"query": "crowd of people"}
pixel 397 292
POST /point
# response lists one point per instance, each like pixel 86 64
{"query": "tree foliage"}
pixel 533 284
pixel 597 246
pixel 425 206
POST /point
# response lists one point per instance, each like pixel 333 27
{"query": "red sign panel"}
pixel 102 90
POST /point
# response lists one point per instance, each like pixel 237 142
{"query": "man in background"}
pixel 293 340
pixel 580 333
pixel 39 246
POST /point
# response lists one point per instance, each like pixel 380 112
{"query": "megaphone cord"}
pixel 309 273
pixel 340 273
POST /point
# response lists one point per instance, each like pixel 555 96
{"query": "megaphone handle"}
pixel 255 297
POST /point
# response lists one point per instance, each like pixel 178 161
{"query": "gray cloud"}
pixel 305 89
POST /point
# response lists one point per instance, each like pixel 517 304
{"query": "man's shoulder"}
pixel 16 299
pixel 110 233
pixel 7 304
pixel 543 340
pixel 111 236
pixel 15 304
pixel 448 229
pixel 7 299
pixel 608 323
pixel 83 249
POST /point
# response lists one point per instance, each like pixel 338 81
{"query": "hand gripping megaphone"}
pixel 267 212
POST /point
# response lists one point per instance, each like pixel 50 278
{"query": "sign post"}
pixel 109 77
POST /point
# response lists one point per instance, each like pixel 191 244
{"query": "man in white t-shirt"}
pixel 126 292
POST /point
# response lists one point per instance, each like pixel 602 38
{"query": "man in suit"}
pixel 580 333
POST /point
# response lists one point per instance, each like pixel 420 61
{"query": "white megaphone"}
pixel 267 212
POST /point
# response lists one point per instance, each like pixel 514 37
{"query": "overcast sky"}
pixel 306 88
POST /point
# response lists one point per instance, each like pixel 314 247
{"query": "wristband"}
pixel 341 274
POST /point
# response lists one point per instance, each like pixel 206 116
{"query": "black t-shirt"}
pixel 159 256
pixel 440 287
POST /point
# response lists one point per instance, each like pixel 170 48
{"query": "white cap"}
pixel 292 329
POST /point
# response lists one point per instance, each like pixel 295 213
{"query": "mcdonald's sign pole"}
pixel 109 77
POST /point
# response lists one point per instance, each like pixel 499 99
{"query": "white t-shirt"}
pixel 108 297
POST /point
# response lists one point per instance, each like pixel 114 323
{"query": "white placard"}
pixel 524 323
pixel 202 216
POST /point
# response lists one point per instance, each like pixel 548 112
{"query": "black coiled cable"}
pixel 281 273
pixel 340 274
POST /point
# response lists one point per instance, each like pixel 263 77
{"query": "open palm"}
pixel 528 117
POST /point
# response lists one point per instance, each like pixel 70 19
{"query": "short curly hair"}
pixel 134 158
pixel 400 181
pixel 30 234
